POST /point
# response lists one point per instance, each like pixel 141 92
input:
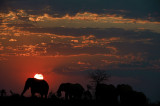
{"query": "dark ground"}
pixel 28 101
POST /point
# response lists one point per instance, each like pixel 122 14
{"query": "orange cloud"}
pixel 1 48
pixel 81 63
pixel 80 20
pixel 12 40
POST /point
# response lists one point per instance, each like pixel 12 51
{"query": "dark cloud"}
pixel 68 49
pixel 149 50
pixel 135 65
pixel 97 32
pixel 21 25
pixel 129 8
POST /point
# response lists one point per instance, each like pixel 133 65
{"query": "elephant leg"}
pixel 70 96
pixel 41 95
pixel 45 96
pixel 66 96
pixel 33 94
pixel 79 96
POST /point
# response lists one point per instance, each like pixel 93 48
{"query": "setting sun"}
pixel 38 76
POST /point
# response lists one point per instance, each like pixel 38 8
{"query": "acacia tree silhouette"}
pixel 99 76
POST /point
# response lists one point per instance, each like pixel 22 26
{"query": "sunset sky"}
pixel 66 39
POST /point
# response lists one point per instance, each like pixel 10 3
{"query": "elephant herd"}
pixel 110 94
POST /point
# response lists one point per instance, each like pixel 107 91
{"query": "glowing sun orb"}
pixel 38 76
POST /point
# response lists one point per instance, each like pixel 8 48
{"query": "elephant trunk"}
pixel 59 93
pixel 25 88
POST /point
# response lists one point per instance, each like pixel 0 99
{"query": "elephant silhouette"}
pixel 130 97
pixel 37 86
pixel 72 91
pixel 106 93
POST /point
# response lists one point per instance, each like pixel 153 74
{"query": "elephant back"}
pixel 129 96
pixel 77 88
pixel 40 86
pixel 106 93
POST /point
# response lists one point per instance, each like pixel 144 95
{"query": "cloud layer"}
pixel 144 9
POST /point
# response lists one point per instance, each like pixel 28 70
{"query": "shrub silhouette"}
pixel 3 92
